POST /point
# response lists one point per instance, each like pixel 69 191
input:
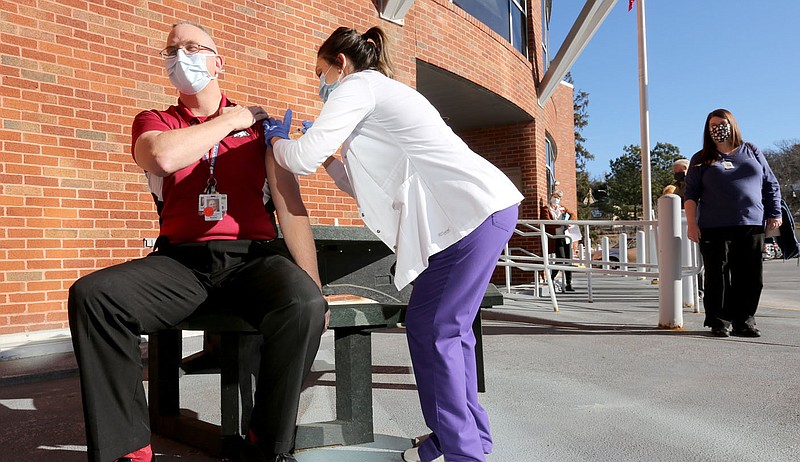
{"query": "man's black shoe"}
pixel 284 458
pixel 569 289
pixel 746 331
pixel 720 331
pixel 252 453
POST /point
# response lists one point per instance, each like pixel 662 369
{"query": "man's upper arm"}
pixel 146 126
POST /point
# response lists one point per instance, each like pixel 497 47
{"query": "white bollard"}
pixel 623 252
pixel 686 260
pixel 604 250
pixel 640 256
pixel 670 312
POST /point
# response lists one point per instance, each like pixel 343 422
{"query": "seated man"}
pixel 216 190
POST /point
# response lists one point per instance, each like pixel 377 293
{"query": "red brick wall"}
pixel 73 74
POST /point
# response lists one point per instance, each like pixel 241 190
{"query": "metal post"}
pixel 623 252
pixel 508 271
pixel 547 271
pixel 670 314
pixel 587 240
pixel 644 127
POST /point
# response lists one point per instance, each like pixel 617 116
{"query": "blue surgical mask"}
pixel 188 73
pixel 325 88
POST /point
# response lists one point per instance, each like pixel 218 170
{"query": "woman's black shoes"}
pixel 743 331
pixel 720 331
pixel 746 331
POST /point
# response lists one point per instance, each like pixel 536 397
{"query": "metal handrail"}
pixel 530 261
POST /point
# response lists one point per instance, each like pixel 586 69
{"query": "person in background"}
pixel 679 168
pixel 216 190
pixel 731 196
pixel 446 212
pixel 562 247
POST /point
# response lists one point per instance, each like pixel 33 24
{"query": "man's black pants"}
pixel 110 309
pixel 733 274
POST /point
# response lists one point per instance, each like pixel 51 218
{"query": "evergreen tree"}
pixel 624 183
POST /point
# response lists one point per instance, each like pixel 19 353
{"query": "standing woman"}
pixel 444 210
pixel 562 247
pixel 731 194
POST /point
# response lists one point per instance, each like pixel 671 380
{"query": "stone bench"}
pixel 352 325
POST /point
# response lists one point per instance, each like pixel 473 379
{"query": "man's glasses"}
pixel 189 49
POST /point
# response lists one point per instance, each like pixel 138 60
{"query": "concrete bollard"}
pixel 670 310
pixel 623 252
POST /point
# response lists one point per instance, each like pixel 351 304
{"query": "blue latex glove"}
pixel 306 125
pixel 276 127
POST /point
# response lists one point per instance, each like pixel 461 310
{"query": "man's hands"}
pixel 242 117
pixel 276 128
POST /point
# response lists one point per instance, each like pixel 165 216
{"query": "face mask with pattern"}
pixel 720 133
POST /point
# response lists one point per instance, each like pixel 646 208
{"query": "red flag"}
pixel 630 4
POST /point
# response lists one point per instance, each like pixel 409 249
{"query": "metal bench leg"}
pixel 163 363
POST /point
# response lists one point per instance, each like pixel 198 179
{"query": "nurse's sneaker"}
pixel 412 455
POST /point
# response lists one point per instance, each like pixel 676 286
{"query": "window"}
pixel 550 163
pixel 547 6
pixel 506 17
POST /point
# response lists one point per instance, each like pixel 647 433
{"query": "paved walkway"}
pixel 593 382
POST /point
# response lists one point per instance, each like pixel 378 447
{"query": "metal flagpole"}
pixel 644 122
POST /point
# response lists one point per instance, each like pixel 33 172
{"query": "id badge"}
pixel 727 165
pixel 212 206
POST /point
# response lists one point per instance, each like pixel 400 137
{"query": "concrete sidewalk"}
pixel 593 382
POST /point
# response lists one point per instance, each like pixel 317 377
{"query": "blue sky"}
pixel 741 55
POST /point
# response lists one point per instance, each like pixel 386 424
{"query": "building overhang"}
pixel 464 104
pixel 592 15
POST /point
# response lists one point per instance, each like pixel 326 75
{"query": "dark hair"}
pixel 366 51
pixel 710 153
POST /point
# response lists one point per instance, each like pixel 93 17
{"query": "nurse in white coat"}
pixel 445 211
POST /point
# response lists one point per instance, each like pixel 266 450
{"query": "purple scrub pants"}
pixel 443 305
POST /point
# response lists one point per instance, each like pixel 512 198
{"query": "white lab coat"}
pixel 418 186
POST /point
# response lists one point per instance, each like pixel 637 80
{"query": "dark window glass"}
pixel 506 17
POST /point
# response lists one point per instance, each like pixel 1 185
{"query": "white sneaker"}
pixel 412 455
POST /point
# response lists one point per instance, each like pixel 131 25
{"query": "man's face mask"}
pixel 188 72
pixel 720 132
pixel 679 176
